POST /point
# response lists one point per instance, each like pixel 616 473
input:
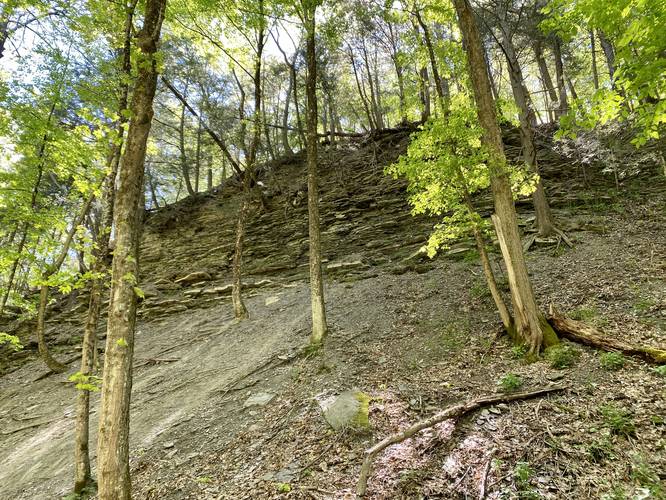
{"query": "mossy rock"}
pixel 349 411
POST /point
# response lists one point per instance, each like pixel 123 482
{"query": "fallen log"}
pixel 585 334
pixel 450 413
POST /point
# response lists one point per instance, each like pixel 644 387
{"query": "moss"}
pixel 361 421
pixel 561 355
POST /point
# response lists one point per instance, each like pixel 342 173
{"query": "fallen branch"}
pixel 593 337
pixel 452 412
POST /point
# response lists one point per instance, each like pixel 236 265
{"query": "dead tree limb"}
pixel 593 337
pixel 450 413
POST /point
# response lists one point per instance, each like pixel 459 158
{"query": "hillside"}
pixel 416 334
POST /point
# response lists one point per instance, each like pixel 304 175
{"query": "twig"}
pixel 450 413
pixel 484 478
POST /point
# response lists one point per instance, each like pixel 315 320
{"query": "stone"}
pixel 348 410
pixel 259 399
pixel 272 300
pixel 192 277
pixel 341 266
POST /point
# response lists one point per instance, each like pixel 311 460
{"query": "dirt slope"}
pixel 415 334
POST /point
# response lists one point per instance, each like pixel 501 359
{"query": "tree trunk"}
pixel 593 48
pixel 588 335
pixel 240 311
pixel 440 87
pixel 609 53
pixel 113 437
pixel 424 94
pixel 54 365
pixel 197 165
pixel 319 326
pixel 284 132
pixel 545 76
pixel 544 218
pixel 184 167
pixel 526 314
pixel 361 92
pixel 563 106
pixel 82 475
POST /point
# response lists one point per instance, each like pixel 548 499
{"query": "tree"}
pixel 530 325
pixel 113 438
pixel 308 10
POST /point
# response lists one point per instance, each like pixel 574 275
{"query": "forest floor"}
pixel 416 335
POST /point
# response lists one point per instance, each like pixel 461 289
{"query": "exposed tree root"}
pixel 452 412
pixel 593 337
pixel 561 237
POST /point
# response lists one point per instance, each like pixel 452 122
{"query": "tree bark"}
pixel 113 437
pixel 54 365
pixel 319 325
pixel 361 92
pixel 609 54
pixel 545 75
pixel 240 311
pixel 593 49
pixel 544 217
pixel 563 106
pixel 82 474
pixel 284 132
pixel 440 85
pixel 526 314
pixel 184 167
pixel 588 335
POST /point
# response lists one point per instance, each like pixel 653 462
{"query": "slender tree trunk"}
pixel 544 218
pixel 197 165
pixel 361 92
pixel 33 207
pixel 530 324
pixel 595 72
pixel 424 94
pixel 209 175
pixel 319 325
pixel 563 106
pixel 284 132
pixel 545 76
pixel 184 166
pixel 376 113
pixel 572 89
pixel 54 365
pixel 113 436
pixel 297 107
pixel 491 78
pixel 609 54
pixel 240 311
pixel 440 86
pixel 83 477
pixel 399 72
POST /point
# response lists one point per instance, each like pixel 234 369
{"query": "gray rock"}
pixel 192 277
pixel 349 409
pixel 259 399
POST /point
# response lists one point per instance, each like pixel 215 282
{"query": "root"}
pixel 593 337
pixel 452 412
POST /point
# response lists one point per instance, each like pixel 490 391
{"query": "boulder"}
pixel 348 410
pixel 259 399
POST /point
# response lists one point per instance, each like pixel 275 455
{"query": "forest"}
pixel 332 249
